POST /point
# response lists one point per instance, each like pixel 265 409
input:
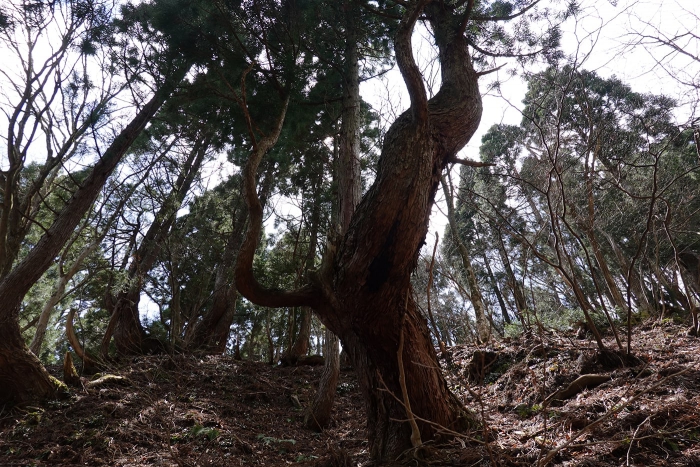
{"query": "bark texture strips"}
pixel 362 292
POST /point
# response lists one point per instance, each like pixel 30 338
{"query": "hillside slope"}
pixel 187 411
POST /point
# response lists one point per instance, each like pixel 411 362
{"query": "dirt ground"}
pixel 201 411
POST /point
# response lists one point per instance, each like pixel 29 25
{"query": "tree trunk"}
pixel 513 282
pixel 175 304
pixel 90 365
pixel 349 193
pixel 375 260
pixel 23 379
pixel 318 415
pixel 497 291
pixel 22 376
pixel 129 335
pixel 362 291
pixel 45 315
pixel 300 346
pixel 211 332
pixel 635 283
pixel 483 330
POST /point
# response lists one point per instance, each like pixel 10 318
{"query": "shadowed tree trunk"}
pixel 300 346
pixel 497 291
pixel 22 377
pixel 348 174
pixel 211 333
pixel 362 291
pixel 319 414
pixel 129 335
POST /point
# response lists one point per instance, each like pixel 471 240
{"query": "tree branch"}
pixel 246 283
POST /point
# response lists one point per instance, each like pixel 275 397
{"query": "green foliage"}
pixel 198 431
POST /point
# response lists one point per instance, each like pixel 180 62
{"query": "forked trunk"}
pixel 362 291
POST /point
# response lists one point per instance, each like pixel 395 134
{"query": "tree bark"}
pixel 362 291
pixel 375 259
pixel 318 415
pixel 300 346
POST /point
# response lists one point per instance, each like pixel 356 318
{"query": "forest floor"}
pixel 201 411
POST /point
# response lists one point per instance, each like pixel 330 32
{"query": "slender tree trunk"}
pixel 300 346
pixel 129 334
pixel 497 291
pixel 349 194
pixel 318 416
pixel 211 332
pixel 45 315
pixel 175 304
pixel 90 365
pixel 483 330
pixel 635 283
pixel 512 281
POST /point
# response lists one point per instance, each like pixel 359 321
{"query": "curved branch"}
pixel 88 361
pixel 469 163
pixel 246 283
pixel 499 54
pixel 407 65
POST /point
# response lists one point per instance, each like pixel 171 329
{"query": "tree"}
pixel 22 377
pixel 362 291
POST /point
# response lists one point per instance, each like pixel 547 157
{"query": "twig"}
pixel 604 417
pixel 633 437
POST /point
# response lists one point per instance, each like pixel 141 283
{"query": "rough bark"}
pixel 22 377
pixel 376 257
pixel 300 346
pixel 362 291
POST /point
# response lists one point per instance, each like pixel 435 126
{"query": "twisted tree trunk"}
pixel 363 292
